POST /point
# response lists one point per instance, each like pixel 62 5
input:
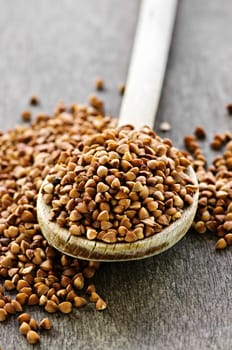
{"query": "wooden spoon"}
pixel 139 107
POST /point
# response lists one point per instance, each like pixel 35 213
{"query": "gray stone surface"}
pixel 179 300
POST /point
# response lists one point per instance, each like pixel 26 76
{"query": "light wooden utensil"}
pixel 139 106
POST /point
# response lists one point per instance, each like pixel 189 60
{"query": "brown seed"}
pixel 65 307
pixel 71 295
pixel 46 265
pixel 99 84
pixel 95 102
pixel 48 188
pixel 143 213
pixel 200 227
pixel 122 230
pixel 216 144
pixel 13 273
pixel 139 231
pixel 91 234
pixel 51 306
pixel 55 299
pixel 25 317
pixel 17 305
pixel 221 244
pixel 90 289
pixel 178 201
pixel 9 285
pixel 115 184
pixel 33 299
pixel 163 220
pixel 101 187
pixel 33 324
pixel 131 236
pixel 89 272
pixel 73 194
pixel 94 296
pixel 79 281
pixel 105 225
pixel 14 248
pixel 229 108
pixel 200 132
pixel 109 237
pixel 121 88
pixel 24 328
pixel 228 216
pixel 79 301
pixel 221 194
pixel 21 284
pixel 26 290
pixel 138 187
pixel 12 231
pixel 6 262
pixel 34 100
pixel 3 314
pixel 26 270
pixel 33 337
pixel 51 292
pixel 159 196
pixel 101 305
pixel 26 116
pixel 9 308
pixel 45 323
pixel 102 171
pixel 43 300
pixel 103 216
pixel 42 289
pixel 228 238
pixel 75 230
pixel 228 226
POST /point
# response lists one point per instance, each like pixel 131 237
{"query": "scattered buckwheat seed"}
pixel 229 108
pixel 45 323
pixel 32 337
pixel 200 132
pixel 121 89
pixel 26 116
pixel 34 100
pixel 99 84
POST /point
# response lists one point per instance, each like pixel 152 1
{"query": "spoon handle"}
pixel 148 63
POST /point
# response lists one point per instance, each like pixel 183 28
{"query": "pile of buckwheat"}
pixel 119 185
pixel 124 191
pixel 30 269
pixel 214 212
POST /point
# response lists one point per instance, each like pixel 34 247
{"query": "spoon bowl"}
pixel 81 247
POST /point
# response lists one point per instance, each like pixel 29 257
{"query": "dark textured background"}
pixel 182 298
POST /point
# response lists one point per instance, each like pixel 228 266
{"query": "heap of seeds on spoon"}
pixel 124 185
pixel 120 185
